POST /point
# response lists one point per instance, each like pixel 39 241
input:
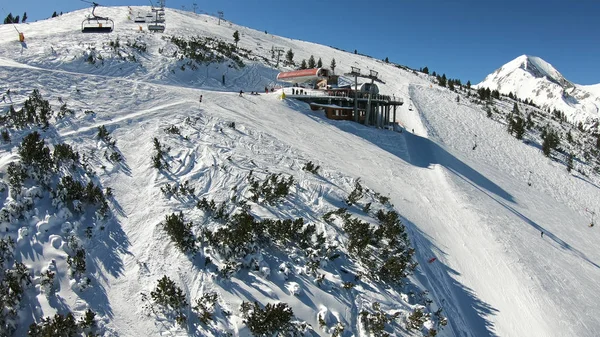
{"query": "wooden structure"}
pixel 362 104
pixel 337 112
pixel 342 105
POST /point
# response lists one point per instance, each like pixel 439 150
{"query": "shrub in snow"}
pixel 375 321
pixel 64 153
pixel 74 193
pixel 5 135
pixel 168 295
pixel 158 160
pixel 64 111
pixel 205 306
pixel 65 326
pixel 416 319
pixel 273 319
pixel 35 111
pixel 76 262
pixel 105 135
pixel 272 189
pixel 180 232
pixel 35 154
pixel 13 282
pixel 210 207
pixel 16 174
pixel 312 168
pixel 356 194
pixel 179 190
pixel 47 281
pixel 173 130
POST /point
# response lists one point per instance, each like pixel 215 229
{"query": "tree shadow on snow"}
pixel 462 306
pixel 420 152
pixel 563 244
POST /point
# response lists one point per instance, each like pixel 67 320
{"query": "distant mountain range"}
pixel 530 77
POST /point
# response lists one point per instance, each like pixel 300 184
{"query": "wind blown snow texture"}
pixel 472 209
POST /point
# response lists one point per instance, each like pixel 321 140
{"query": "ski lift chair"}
pixel 139 19
pixel 97 24
pixel 156 27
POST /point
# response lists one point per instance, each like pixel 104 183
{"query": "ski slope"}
pixel 472 209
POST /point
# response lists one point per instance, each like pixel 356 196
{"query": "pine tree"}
pixel 451 85
pixel 24 17
pixel 319 63
pixel 289 56
pixel 529 123
pixel 426 70
pixel 551 141
pixel 515 108
pixel 355 51
pixel 433 74
pixel 303 64
pixel 311 62
pixel 236 37
pixel 332 65
pixel 9 19
pixel 519 127
pixel 387 60
pixel 54 14
pixel 469 84
pixel 16 20
pixel 569 162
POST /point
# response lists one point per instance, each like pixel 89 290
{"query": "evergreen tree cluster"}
pixel 273 320
pixel 209 50
pixel 180 232
pixel 271 190
pixel 159 160
pixel 375 320
pixel 487 94
pixel 65 325
pixel 36 111
pixel 15 278
pixel 384 249
pixel 75 194
pixel 312 168
pixel 312 63
pixel 551 140
pixel 14 19
pixel 171 298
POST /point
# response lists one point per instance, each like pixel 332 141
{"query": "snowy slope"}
pixel 530 77
pixel 472 209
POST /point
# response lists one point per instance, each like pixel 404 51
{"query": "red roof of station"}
pixel 298 73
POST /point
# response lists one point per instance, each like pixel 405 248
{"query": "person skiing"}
pixel 241 92
pixel 200 98
pixel 541 234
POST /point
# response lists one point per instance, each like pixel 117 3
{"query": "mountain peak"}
pixel 535 66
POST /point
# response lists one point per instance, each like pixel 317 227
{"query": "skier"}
pixel 266 90
pixel 541 234
pixel 241 92
pixel 200 98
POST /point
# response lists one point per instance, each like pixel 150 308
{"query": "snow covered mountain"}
pixel 530 77
pixel 143 211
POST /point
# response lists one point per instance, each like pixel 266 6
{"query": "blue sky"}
pixel 465 39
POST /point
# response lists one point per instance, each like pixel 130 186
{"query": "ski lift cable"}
pixel 12 22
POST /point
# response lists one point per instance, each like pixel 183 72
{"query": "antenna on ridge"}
pixel 220 16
